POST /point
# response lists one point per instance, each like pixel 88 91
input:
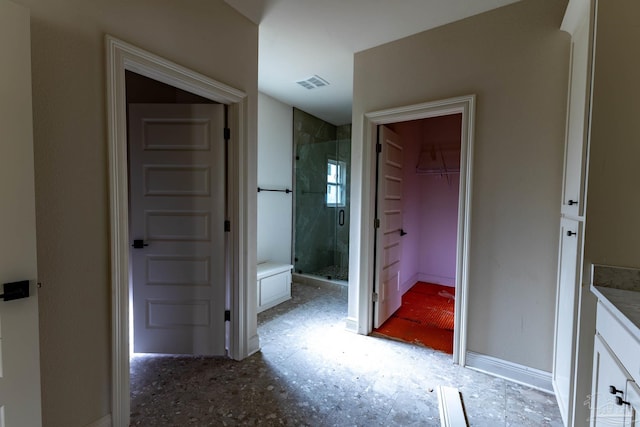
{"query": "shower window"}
pixel 336 177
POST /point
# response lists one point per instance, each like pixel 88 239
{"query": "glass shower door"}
pixel 321 246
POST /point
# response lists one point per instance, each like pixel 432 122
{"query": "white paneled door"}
pixel 177 216
pixel 389 232
pixel 19 348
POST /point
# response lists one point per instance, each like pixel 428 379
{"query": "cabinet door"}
pixel 566 315
pixel 633 402
pixel 577 120
pixel 607 373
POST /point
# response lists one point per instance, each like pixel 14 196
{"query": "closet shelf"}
pixel 439 160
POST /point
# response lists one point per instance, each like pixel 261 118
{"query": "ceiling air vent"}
pixel 313 82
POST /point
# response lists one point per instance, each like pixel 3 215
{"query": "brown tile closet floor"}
pixel 426 317
pixel 311 372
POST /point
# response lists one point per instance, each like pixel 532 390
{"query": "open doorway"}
pixel 428 221
pixel 241 321
pixel 365 249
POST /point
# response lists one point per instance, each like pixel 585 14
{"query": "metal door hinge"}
pixel 378 148
pixel 374 297
pixel 227 226
pixel 376 223
pixel 227 134
pixel 227 315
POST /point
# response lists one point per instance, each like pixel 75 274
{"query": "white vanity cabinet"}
pixel 274 284
pixel 609 384
pixel 615 396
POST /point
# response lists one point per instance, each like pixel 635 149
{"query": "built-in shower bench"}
pixel 274 284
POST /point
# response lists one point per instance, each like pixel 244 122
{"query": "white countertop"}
pixel 624 304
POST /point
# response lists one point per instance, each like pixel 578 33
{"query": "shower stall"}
pixel 322 154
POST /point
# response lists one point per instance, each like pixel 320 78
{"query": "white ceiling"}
pixel 302 38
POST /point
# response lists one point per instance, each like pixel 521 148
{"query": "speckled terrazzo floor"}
pixel 311 372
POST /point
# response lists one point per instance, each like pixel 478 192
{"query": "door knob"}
pixel 620 401
pixel 571 233
pixel 614 390
pixel 573 202
pixel 15 290
pixel 402 232
pixel 139 244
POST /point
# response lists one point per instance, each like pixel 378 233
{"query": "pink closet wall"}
pixel 430 204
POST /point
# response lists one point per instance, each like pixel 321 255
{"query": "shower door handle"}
pixel 341 217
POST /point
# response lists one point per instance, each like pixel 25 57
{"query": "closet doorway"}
pixel 366 248
pixel 427 191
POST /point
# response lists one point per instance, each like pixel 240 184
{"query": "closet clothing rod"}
pixel 437 172
pixel 286 190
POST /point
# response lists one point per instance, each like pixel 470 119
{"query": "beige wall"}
pixel 515 59
pixel 68 58
pixel 613 207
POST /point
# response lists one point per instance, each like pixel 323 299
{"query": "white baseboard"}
pixel 438 280
pixel 254 345
pixel 352 325
pixel 429 278
pixel 102 422
pixel 531 377
pixel 407 284
pixel 451 409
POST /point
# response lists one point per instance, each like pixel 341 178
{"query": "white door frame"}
pixel 464 105
pixel 122 56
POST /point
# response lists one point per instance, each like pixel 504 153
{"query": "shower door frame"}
pixel 335 214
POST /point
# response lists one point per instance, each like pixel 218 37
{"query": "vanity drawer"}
pixel 622 342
